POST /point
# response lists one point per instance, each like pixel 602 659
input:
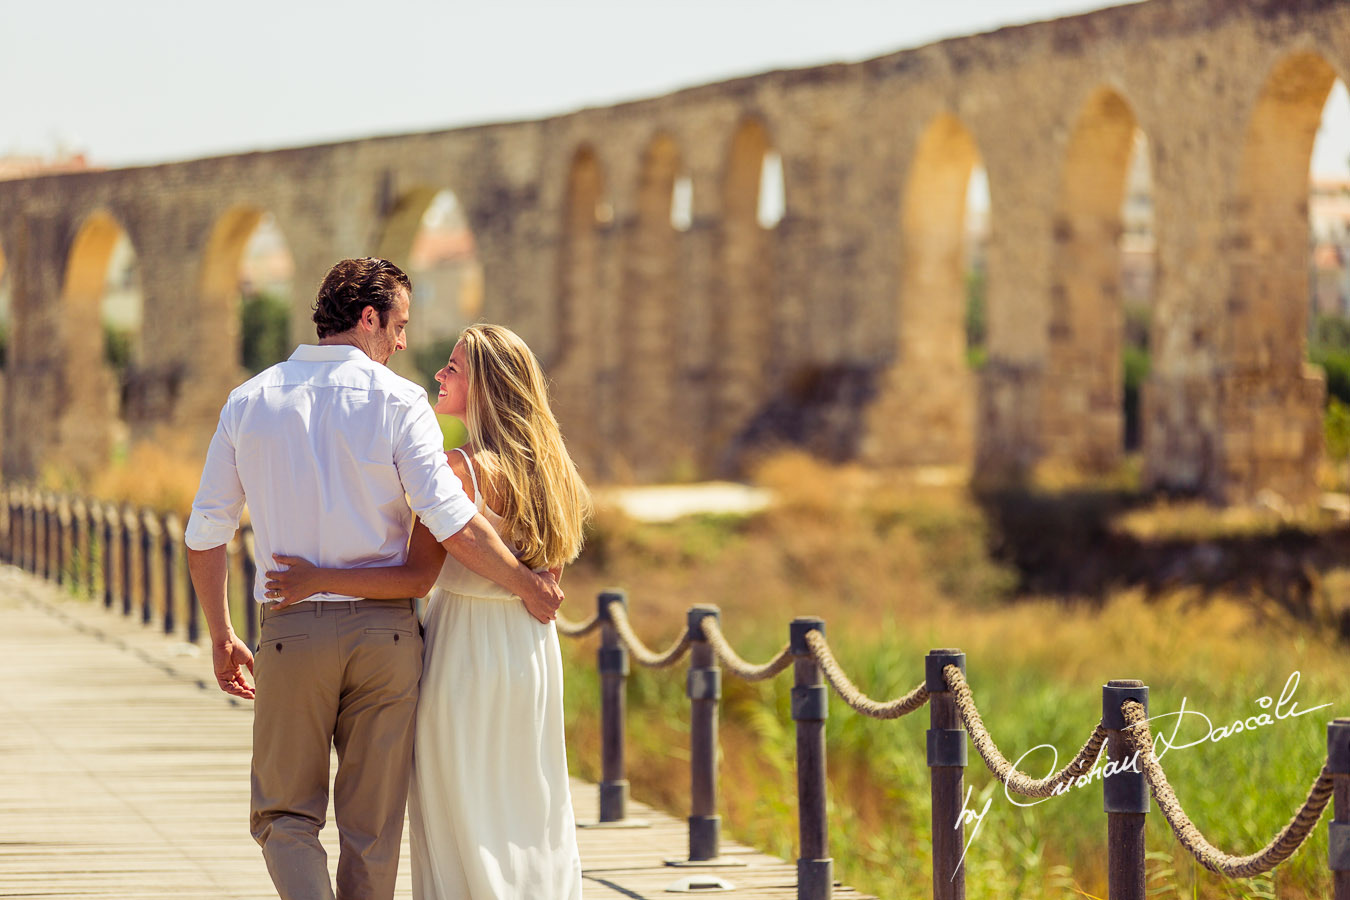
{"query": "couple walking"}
pixel 330 449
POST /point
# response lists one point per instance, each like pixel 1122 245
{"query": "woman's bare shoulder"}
pixel 461 469
pixel 484 466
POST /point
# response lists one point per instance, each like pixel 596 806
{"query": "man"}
pixel 324 447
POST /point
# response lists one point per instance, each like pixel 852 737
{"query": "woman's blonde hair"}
pixel 542 498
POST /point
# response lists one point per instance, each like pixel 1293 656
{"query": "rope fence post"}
pixel 250 603
pixel 90 542
pixel 145 522
pixel 1338 845
pixel 45 511
pixel 1124 795
pixel 169 540
pixel 60 517
pixel 34 534
pixel 946 771
pixel 612 661
pixel 127 519
pixel 12 529
pixel 194 633
pixel 108 515
pixel 704 687
pixel 78 573
pixel 810 708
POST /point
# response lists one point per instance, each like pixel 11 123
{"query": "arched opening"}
pixel 1329 267
pixel 1104 185
pixel 576 366
pixel 1272 426
pixel 648 315
pixel 428 236
pixel 6 302
pixel 976 267
pixel 925 414
pixel 753 203
pixel 246 294
pixel 102 284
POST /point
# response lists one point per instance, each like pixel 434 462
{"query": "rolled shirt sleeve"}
pixel 220 495
pixel 434 491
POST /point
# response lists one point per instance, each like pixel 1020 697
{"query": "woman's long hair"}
pixel 542 498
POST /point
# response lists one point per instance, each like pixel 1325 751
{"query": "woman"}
pixel 490 810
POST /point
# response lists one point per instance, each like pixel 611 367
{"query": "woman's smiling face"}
pixel 453 378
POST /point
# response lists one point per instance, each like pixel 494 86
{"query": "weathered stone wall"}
pixel 841 327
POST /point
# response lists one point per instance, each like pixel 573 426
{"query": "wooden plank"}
pixel 124 774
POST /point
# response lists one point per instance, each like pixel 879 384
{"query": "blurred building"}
pixel 1329 231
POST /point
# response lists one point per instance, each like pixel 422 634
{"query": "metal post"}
pixel 250 603
pixel 810 707
pixel 169 538
pixel 704 687
pixel 144 522
pixel 109 515
pixel 126 519
pixel 612 658
pixel 1125 795
pixel 77 572
pixel 11 528
pixel 946 772
pixel 33 533
pixel 45 512
pixel 1338 849
pixel 59 512
pixel 194 630
pixel 91 538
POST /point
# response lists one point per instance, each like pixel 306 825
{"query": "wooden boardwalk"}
pixel 124 774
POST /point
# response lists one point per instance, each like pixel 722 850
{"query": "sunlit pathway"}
pixel 124 775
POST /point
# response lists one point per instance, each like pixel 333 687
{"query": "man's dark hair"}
pixel 351 286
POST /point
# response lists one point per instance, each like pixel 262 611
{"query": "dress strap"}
pixel 473 477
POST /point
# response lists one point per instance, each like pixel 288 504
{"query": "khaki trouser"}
pixel 338 674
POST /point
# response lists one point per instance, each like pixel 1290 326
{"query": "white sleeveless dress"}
pixel 490 812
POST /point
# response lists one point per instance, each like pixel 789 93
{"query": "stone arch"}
pixel 442 261
pixel 1084 387
pixel 576 366
pixel 648 315
pixel 743 314
pixel 92 417
pixel 925 414
pixel 1271 401
pixel 219 289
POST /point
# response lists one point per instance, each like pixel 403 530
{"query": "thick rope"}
pixel 712 630
pixel 1277 851
pixel 577 629
pixel 643 655
pixel 829 666
pixel 1003 770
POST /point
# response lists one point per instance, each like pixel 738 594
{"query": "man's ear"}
pixel 370 317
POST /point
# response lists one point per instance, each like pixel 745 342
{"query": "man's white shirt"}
pixel 325 446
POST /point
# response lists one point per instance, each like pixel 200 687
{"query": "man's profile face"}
pixel 391 338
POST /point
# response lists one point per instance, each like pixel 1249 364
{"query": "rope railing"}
pixel 1280 848
pixel 96 548
pixel 999 765
pixel 739 667
pixel 643 654
pixel 849 693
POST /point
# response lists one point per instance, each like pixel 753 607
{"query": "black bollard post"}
pixel 194 628
pixel 45 512
pixel 612 659
pixel 77 520
pixel 170 537
pixel 704 688
pixel 145 522
pixel 127 519
pixel 946 768
pixel 1338 849
pixel 1125 795
pixel 90 542
pixel 810 708
pixel 109 548
pixel 250 604
pixel 60 513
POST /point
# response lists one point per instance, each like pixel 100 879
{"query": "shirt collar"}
pixel 329 353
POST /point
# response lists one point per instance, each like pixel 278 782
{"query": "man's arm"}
pixel 478 546
pixel 229 655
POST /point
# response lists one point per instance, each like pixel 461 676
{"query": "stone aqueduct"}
pixel 841 327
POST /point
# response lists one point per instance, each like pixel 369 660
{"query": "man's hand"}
pixel 229 658
pixel 544 600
